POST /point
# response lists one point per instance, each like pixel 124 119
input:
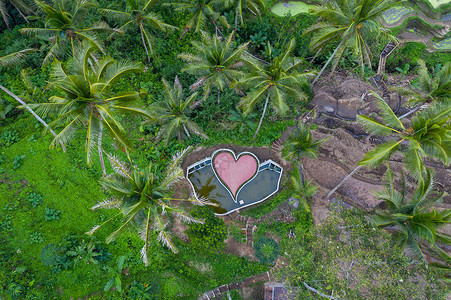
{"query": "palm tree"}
pixel 432 87
pixel 253 6
pixel 427 136
pixel 9 60
pixel 64 27
pixel 88 99
pixel 145 200
pixel 172 113
pixel 15 57
pixel 201 11
pixel 301 144
pixel 22 6
pixel 139 13
pixel 275 81
pixel 351 22
pixel 417 222
pixel 216 62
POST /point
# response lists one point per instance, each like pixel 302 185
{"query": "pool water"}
pixel 206 184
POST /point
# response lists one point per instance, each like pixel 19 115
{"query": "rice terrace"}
pixel 206 149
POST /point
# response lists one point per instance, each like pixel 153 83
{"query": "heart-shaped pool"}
pixel 234 181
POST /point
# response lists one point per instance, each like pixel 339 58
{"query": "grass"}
pixel 293 7
pixel 68 185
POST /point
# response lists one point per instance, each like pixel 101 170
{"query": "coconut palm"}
pixel 416 220
pixel 216 62
pixel 15 57
pixel 432 86
pixel 144 200
pixel 23 7
pixel 301 144
pixel 87 99
pixel 64 27
pixel 253 6
pixel 275 80
pixel 138 13
pixel 172 113
pixel 429 135
pixel 9 60
pixel 201 11
pixel 350 23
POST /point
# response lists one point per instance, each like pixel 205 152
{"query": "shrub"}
pixel 9 137
pixel 36 237
pixel 266 250
pixel 17 161
pixel 35 199
pixel 51 214
pixel 211 234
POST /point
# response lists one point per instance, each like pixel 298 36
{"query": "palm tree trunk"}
pixel 341 182
pixel 263 114
pixel 186 131
pixel 20 12
pixel 99 145
pixel 219 94
pixel 33 113
pixel 328 61
pixel 301 174
pixel 144 42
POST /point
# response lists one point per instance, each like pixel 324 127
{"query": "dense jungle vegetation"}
pixel 125 84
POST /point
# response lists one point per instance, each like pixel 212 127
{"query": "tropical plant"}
pixel 216 62
pixel 139 13
pixel 144 200
pixel 88 99
pixel 244 122
pixel 276 80
pixel 15 57
pixel 253 6
pixel 173 114
pixel 201 11
pixel 414 217
pixel 301 144
pixel 427 136
pixel 351 22
pixel 303 191
pixel 116 275
pixel 64 27
pixel 22 6
pixel 432 86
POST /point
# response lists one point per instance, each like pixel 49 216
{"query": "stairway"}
pixel 388 49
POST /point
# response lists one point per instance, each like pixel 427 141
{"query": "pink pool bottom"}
pixel 234 173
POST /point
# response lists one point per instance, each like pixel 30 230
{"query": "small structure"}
pixel 276 291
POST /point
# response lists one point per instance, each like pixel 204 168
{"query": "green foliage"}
pixel 35 199
pixel 415 217
pixel 36 237
pixel 346 253
pixel 266 250
pixel 17 161
pixel 116 275
pixel 211 234
pixel 237 233
pixel 9 137
pixel 51 214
